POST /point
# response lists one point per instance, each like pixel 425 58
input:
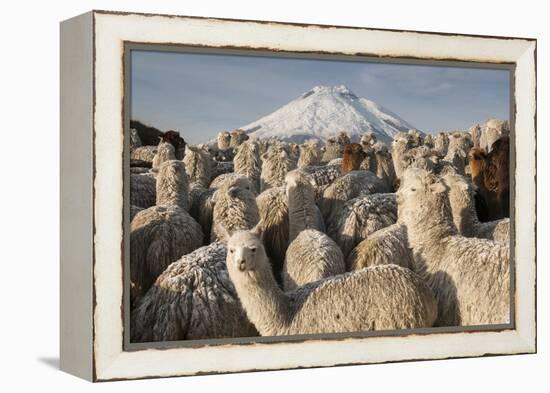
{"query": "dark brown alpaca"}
pixel 353 156
pixel 497 177
pixel 174 138
pixel 491 174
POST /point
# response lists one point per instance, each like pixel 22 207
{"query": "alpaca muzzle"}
pixel 241 265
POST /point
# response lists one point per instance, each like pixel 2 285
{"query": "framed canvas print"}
pixel 247 195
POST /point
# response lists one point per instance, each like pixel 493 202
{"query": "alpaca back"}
pixel 384 297
pixel 235 209
pixel 322 177
pixel 311 256
pixel 160 235
pixel 386 246
pixel 171 311
pixel 471 281
pixel 352 185
pixel 143 190
pixel 360 217
pixel 144 153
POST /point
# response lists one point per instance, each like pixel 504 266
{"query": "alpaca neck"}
pixel 464 215
pixel 172 191
pixel 430 226
pixel 301 209
pixel 265 303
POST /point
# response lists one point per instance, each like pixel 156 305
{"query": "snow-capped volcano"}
pixel 325 111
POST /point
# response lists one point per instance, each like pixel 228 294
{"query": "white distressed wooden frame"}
pixel 92 195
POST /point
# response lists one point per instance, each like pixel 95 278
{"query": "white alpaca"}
pixel 223 140
pixel 491 131
pixel 192 299
pixel 165 152
pixel 388 245
pixel 333 149
pixel 235 209
pixel 322 177
pixel 460 144
pixel 135 140
pixel 475 133
pixel 368 139
pixel 353 184
pixel 310 153
pixel 441 143
pixel 378 298
pixel 273 208
pixel 143 189
pixel 198 165
pixel 461 199
pixel 277 162
pixel 311 255
pixel 470 277
pixel 360 217
pixel 163 233
pixel 204 199
pixel 237 138
pixel 247 162
pixel 400 146
pixel 143 153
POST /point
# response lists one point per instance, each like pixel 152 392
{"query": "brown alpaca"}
pixel 174 138
pixel 353 156
pixel 491 175
pixel 477 159
pixel 497 178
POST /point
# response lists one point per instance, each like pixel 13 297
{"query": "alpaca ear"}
pixel 437 188
pixel 232 191
pixel 258 230
pixel 463 186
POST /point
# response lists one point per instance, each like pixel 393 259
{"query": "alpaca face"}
pixel 477 160
pixel 417 195
pixel 244 252
pixel 459 189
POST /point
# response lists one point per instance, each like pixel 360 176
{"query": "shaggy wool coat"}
pixel 193 299
pixel 376 298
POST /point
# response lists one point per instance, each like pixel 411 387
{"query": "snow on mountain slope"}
pixel 325 111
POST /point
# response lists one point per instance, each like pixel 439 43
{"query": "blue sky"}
pixel 201 94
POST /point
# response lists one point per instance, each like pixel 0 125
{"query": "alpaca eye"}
pixel 413 189
pixel 253 249
pixel 231 251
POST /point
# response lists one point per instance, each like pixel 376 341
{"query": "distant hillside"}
pixel 149 135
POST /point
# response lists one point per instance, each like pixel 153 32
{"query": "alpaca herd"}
pixel 243 237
